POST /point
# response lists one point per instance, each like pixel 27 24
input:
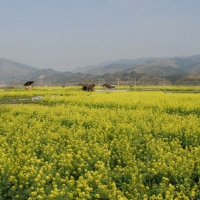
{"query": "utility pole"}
pixel 117 79
pixel 164 84
pixel 135 83
pixel 41 79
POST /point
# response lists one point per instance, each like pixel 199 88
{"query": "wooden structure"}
pixel 108 86
pixel 87 86
pixel 29 85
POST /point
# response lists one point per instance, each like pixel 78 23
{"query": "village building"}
pixel 87 86
pixel 29 85
pixel 108 86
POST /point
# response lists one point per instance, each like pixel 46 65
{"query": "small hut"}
pixel 29 85
pixel 87 86
pixel 108 86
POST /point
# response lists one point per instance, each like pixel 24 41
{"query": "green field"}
pixel 134 144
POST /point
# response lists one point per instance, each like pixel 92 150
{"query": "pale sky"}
pixel 65 34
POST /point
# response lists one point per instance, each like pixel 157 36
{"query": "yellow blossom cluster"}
pixel 100 145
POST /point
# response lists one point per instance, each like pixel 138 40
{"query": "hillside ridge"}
pixel 153 70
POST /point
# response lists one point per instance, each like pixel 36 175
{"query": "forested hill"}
pixel 11 70
pixel 165 66
pixel 177 70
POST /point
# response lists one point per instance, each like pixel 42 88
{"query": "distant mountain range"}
pixel 183 65
pixel 177 70
pixel 10 69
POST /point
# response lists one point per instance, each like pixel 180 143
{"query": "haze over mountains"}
pixel 142 65
pixel 145 70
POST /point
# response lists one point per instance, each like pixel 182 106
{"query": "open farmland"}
pixel 99 145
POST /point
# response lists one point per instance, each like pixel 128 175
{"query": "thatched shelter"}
pixel 108 86
pixel 29 85
pixel 87 86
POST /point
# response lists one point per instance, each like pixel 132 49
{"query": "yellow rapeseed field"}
pixel 101 145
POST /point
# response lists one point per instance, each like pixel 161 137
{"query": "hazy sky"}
pixel 65 34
